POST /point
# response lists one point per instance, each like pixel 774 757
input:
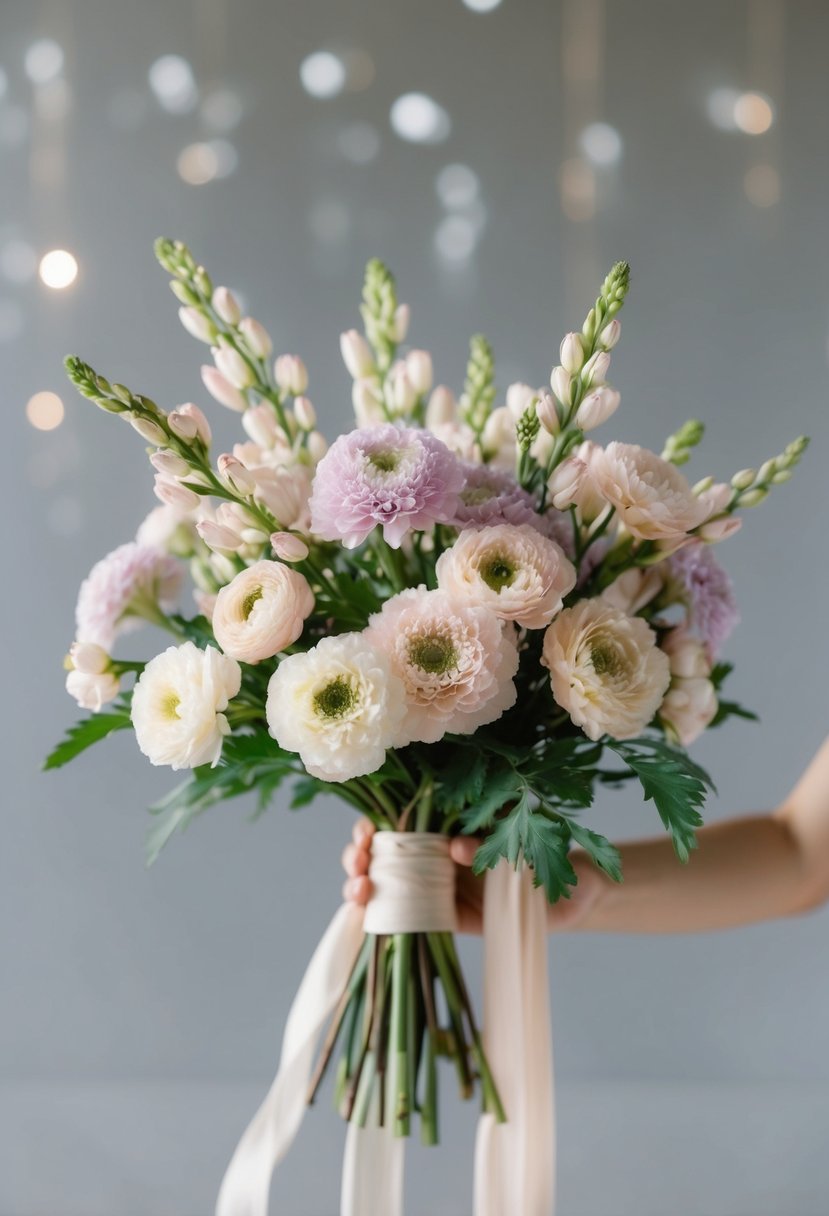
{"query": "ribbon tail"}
pixel 246 1185
pixel 515 1161
pixel 372 1172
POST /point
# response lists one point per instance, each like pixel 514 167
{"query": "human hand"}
pixel 567 914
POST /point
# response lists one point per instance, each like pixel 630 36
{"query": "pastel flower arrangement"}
pixel 449 617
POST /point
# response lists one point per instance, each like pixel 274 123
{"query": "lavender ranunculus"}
pixel 707 590
pixel 490 496
pixel 399 478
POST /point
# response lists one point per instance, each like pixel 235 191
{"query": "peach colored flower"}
pixel 634 589
pixel 688 708
pixel 652 498
pixel 262 611
pixel 514 571
pixel 605 668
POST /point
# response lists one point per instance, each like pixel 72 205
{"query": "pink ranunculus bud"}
pixel 367 397
pixel 222 390
pixel 595 369
pixel 257 338
pixel 547 413
pixel 305 413
pixel 234 473
pixel 519 399
pixel 92 691
pixel 419 368
pixel 565 483
pixel 175 495
pixel 217 537
pixel 317 446
pixel 197 324
pixel 227 306
pixel 291 374
pixel 189 422
pixel 689 706
pixel 400 327
pixel 686 654
pixel 561 383
pixel 89 658
pixel 147 429
pixel 357 355
pixel 288 547
pixel 442 407
pixel 597 407
pixel 169 463
pixel 233 367
pixel 719 529
pixel 401 390
pixel 572 353
pixel 610 335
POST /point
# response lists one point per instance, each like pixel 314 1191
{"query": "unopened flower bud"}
pixel 175 495
pixel 744 479
pixel 234 473
pixel 184 293
pixel 305 413
pixel 89 658
pixel 222 566
pixel 702 486
pixel 766 471
pixel 400 325
pixel 596 368
pixel 565 482
pixel 753 498
pixel 257 338
pixel 92 691
pixel 402 393
pixel 719 529
pixel 169 463
pixel 317 446
pixel 781 476
pixel 547 413
pixel 419 368
pixel 222 390
pixel 519 398
pixel 561 384
pixel 288 547
pixel 217 537
pixel 572 353
pixel 597 407
pixel 357 355
pixel 189 422
pixel 367 396
pixel 233 367
pixel 147 429
pixel 227 306
pixel 442 407
pixel 291 374
pixel 610 335
pixel 197 324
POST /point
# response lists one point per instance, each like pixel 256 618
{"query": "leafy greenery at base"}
pixel 88 732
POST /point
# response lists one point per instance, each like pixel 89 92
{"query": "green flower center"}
pixel 498 572
pixel 433 654
pixel 385 462
pixel 169 704
pixel 249 600
pixel 336 698
pixel 605 660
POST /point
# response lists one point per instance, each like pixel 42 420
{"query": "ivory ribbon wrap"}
pixel 413 892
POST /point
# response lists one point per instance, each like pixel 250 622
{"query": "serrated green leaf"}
pixel 539 840
pixel 305 790
pixel 503 785
pixel 604 854
pixel 461 780
pixel 676 784
pixel 730 709
pixel 84 734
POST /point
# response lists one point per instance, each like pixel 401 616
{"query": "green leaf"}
pixel 305 791
pixel 731 709
pixel 461 780
pixel 604 854
pixel 675 783
pixel 540 840
pixel 503 786
pixel 84 734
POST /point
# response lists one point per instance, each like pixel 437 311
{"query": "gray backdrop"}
pixel 141 1011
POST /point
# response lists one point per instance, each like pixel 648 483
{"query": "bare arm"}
pixel 745 870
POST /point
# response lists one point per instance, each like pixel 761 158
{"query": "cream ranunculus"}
pixel 652 498
pixel 262 611
pixel 92 689
pixel 634 589
pixel 513 570
pixel 606 670
pixel 690 703
pixel 338 705
pixel 178 704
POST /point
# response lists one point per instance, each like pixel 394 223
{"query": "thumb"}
pixel 462 849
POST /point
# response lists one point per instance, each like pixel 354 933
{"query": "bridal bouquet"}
pixel 460 616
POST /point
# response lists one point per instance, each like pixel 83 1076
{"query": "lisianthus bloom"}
pixel 131 583
pixel 516 572
pixel 491 496
pixel 456 661
pixel 606 669
pixel 652 498
pixel 399 478
pixel 698 580
pixel 690 703
pixel 339 705
pixel 178 703
pixel 262 611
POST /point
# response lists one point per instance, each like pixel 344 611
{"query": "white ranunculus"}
pixel 92 690
pixel 262 611
pixel 338 705
pixel 178 704
pixel 606 670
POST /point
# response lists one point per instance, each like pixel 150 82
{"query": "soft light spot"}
pixel 720 104
pixel 43 61
pixel 456 238
pixel 171 80
pixel 204 162
pixel 601 144
pixel 457 187
pixel 481 6
pixel 753 113
pixel 323 74
pixel 58 269
pixel 45 411
pixel 762 185
pixel 419 119
pixel 359 143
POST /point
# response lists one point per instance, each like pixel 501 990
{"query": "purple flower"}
pixel 490 496
pixel 401 478
pixel 132 583
pixel 708 593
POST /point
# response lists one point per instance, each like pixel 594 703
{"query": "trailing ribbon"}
pixel 412 878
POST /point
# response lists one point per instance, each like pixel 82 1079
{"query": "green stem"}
pixel 400 1080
